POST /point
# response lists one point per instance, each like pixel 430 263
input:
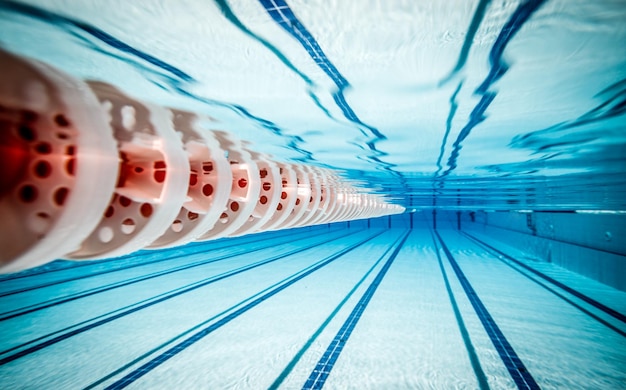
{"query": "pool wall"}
pixel 588 244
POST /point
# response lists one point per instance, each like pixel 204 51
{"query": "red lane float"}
pixel 89 172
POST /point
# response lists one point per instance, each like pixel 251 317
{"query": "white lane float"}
pixel 89 172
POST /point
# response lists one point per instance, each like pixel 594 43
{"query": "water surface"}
pixel 468 104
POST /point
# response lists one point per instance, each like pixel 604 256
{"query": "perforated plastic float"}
pixel 89 172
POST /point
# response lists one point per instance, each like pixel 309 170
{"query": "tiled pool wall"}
pixel 590 244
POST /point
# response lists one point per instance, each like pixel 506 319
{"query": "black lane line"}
pixel 552 290
pixel 321 371
pixel 96 290
pixel 523 379
pixel 108 317
pixel 73 264
pixel 163 357
pixel 471 351
pixel 287 370
pixel 198 326
pixel 111 270
pixel 43 305
pixel 134 256
pixel 70 265
pixel 613 313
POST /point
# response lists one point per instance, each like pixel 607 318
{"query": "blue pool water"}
pixel 514 104
pixel 499 125
pixel 344 307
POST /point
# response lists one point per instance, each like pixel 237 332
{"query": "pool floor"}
pixel 325 306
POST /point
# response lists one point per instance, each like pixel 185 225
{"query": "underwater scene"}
pixel 358 194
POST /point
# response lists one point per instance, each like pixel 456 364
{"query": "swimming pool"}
pixel 499 126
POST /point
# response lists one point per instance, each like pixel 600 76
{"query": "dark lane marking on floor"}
pixel 290 366
pixel 111 270
pixel 545 286
pixel 523 379
pixel 327 361
pixel 111 316
pixel 96 290
pixel 613 313
pixel 163 357
pixel 471 351
pixel 68 265
pixel 196 327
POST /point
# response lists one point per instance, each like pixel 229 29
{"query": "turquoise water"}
pixel 482 104
pixel 472 105
pixel 335 306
